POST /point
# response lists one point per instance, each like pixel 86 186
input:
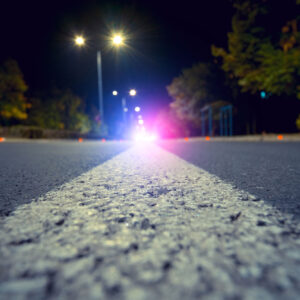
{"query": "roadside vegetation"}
pixel 27 116
pixel 258 73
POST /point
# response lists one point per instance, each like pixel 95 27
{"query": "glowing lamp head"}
pixel 79 40
pixel 132 92
pixel 141 122
pixel 118 40
pixel 137 109
pixel 115 93
pixel 125 109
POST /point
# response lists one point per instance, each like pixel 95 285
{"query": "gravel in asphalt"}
pixel 30 169
pixel 269 170
pixel 148 225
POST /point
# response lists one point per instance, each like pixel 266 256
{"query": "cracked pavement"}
pixel 149 225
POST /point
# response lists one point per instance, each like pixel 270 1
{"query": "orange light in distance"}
pixel 2 139
pixel 207 138
pixel 186 139
pixel 280 137
pixel 80 140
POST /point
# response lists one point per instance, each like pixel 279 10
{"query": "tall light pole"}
pixel 100 91
pixel 117 40
pixel 132 93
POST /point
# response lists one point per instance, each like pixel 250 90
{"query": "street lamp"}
pixel 132 93
pixel 117 40
pixel 79 40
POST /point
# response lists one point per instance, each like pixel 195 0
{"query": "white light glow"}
pixel 143 136
pixel 79 40
pixel 118 40
pixel 132 92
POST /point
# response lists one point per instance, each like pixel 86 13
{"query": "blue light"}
pixel 263 94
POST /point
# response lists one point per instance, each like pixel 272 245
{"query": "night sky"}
pixel 163 38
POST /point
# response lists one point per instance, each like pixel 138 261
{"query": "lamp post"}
pixel 132 93
pixel 117 40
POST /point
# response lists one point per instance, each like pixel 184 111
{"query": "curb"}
pixel 249 138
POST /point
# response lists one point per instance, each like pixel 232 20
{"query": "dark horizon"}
pixel 164 39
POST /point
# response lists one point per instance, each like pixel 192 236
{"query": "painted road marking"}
pixel 144 225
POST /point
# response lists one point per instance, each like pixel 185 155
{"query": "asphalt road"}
pixel 30 169
pixel 269 170
pixel 146 224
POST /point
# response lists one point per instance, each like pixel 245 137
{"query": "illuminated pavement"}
pixel 269 170
pixel 148 225
pixel 29 169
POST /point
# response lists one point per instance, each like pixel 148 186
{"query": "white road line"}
pixel 145 225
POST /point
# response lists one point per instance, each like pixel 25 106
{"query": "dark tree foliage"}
pixel 256 59
pixel 60 109
pixel 196 87
pixel 13 102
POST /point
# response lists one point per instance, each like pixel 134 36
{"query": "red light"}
pixel 103 140
pixel 280 137
pixel 80 140
pixel 207 138
pixel 186 139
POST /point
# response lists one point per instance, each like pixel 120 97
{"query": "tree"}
pixel 240 61
pixel 13 102
pixel 279 66
pixel 298 122
pixel 194 88
pixel 257 60
pixel 61 110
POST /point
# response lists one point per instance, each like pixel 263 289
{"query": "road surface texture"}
pixel 148 225
pixel 270 170
pixel 30 169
